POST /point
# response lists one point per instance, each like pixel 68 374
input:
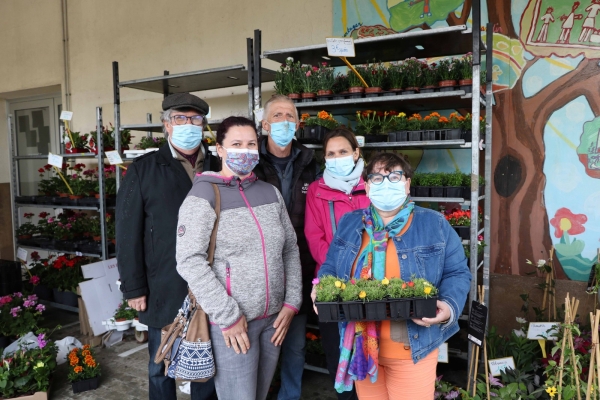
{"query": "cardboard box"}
pixel 101 296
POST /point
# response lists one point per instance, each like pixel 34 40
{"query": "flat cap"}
pixel 185 100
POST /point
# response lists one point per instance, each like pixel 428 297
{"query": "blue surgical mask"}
pixel 341 166
pixel 283 132
pixel 186 137
pixel 387 196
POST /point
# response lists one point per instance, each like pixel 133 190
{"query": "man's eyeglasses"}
pixel 183 119
pixel 377 179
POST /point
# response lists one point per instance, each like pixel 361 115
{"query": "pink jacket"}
pixel 317 227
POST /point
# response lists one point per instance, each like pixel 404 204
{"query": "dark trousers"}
pixel 161 387
pixel 330 339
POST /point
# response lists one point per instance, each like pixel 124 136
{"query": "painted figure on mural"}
pixel 547 18
pixel 426 9
pixel 569 21
pixel 589 24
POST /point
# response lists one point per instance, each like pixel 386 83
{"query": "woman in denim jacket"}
pixel 395 238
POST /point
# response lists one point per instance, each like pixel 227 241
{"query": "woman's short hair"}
pixel 341 132
pixel 387 162
pixel 230 122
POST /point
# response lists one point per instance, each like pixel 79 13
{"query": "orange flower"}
pixel 444 120
pixel 86 347
pixel 434 114
pixel 453 115
pixel 416 116
pixel 461 118
pixel 78 369
pixel 74 361
pixel 323 115
pixel 304 117
pixel 311 336
pixel 91 363
pixel 427 118
pixel 85 353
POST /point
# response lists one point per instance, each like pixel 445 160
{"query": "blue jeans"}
pixel 246 376
pixel 161 387
pixel 292 359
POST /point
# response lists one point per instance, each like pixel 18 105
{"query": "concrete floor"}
pixel 125 377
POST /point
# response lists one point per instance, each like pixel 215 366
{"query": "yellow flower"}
pixel 343 286
pixel 551 391
pixel 385 281
pixel 39 365
pixel 338 284
pixel 362 294
pixel 427 290
pixel 401 115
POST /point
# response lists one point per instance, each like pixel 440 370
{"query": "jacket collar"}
pixel 327 193
pixel 302 155
pixel 220 180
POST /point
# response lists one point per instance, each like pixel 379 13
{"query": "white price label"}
pixel 340 47
pixel 443 353
pixel 22 254
pixel 66 115
pixel 114 157
pixel 259 112
pixel 209 112
pixel 498 365
pixel 543 330
pixel 56 160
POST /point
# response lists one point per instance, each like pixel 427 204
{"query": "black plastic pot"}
pixel 354 310
pixel 328 311
pixel 466 192
pixel 424 308
pixel 89 201
pixel 428 90
pixel 412 191
pixel 453 134
pixel 86 384
pixel 414 136
pixel 440 134
pixel 43 292
pixel 447 88
pixel 454 191
pixel 436 191
pixel 339 97
pixel 428 135
pixel 313 134
pixel 376 310
pixel 25 199
pixel 399 309
pixel 375 138
pixel 422 191
pixel 467 136
pixel 402 136
pixel 58 295
pixel 45 200
pixel 43 241
pixel 463 231
pixel 10 277
pixel 466 88
pixel 392 136
pixel 70 299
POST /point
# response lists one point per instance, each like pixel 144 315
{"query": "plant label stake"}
pixel 66 116
pixel 57 161
pixel 342 48
pixel 476 334
pixel 114 158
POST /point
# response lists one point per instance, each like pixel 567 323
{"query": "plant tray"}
pixel 85 385
pixel 380 310
pixel 376 310
pixel 400 309
pixel 26 199
pixel 463 231
pixel 354 310
pixel 424 308
pixel 328 312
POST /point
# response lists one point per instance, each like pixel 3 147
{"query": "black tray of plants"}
pixel 373 300
pixel 26 199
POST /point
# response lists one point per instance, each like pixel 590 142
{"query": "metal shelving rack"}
pixel 195 81
pixel 438 42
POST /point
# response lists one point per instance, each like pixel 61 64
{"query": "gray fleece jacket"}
pixel 256 269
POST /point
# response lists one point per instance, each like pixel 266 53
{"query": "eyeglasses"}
pixel 183 119
pixel 393 177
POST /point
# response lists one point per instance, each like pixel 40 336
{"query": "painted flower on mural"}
pixel 565 220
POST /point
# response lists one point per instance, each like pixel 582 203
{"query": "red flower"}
pixel 411 284
pixel 35 256
pixel 565 220
pixel 41 170
pixel 44 214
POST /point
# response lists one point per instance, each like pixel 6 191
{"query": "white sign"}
pixel 542 330
pixel 340 47
pixel 55 160
pixel 443 353
pixel 209 111
pixel 100 294
pixel 22 254
pixel 114 157
pixel 66 115
pixel 498 365
pixel 259 112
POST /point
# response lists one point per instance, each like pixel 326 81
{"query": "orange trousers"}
pixel 401 380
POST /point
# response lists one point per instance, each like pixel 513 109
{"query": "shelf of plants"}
pixel 389 113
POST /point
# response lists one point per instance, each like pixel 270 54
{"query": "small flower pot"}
pixel 75 197
pixel 58 295
pixel 354 310
pixel 411 90
pixel 399 309
pixel 414 136
pixel 339 96
pixel 424 308
pixel 428 89
pixel 70 299
pixel 375 138
pixel 313 134
pixel 43 292
pixel 308 97
pixel 466 85
pixel 447 85
pixel 422 191
pixel 466 192
pixel 97 238
pixel 295 97
pixel 436 191
pixel 356 92
pixel 467 135
pixel 392 136
pixel 86 384
pixel 463 231
pixel 453 191
pixel 428 135
pixel 373 91
pixel 123 325
pixel 412 191
pixel 440 134
pixel 328 311
pixel 324 93
pixel 44 200
pixel 453 134
pixel 376 310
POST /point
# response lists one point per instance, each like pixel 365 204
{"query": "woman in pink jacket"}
pixel 340 190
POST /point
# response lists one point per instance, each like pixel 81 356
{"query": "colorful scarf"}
pixel 359 341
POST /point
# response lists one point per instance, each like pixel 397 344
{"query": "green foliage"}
pixel 19 314
pixel 82 364
pixel 26 228
pixel 309 78
pixel 125 312
pixel 351 291
pixel 322 119
pixel 412 70
pixel 416 179
pixel 341 84
pixel 466 66
pixel 353 79
pixel 148 142
pixel 373 289
pixel 327 289
pixel 454 178
pixel 426 179
pixel 395 76
pixel 325 78
pixel 430 75
pixel 375 74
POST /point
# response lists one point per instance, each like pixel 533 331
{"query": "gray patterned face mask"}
pixel 241 161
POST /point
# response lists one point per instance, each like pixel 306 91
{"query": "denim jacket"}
pixel 428 249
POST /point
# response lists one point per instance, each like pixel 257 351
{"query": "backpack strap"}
pixel 213 236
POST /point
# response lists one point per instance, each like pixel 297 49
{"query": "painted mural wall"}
pixel 546 120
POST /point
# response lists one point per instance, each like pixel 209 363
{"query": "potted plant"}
pixel 386 121
pixel 375 74
pixel 26 230
pixel 38 273
pixel 413 71
pixel 430 125
pixel 353 296
pixel 19 314
pixel 328 290
pixel 66 275
pixel 149 142
pixel 325 80
pixel 414 127
pixel 340 86
pixel 436 181
pixel 375 305
pixel 79 144
pixel 84 370
pixel 454 126
pixel 399 127
pixel 316 127
pixel 309 82
pixel 292 81
pixel 395 78
pixel 124 316
pixel 315 355
pixel 465 78
pixel 430 78
pixel 415 181
pixel 399 299
pixel 461 222
pixel 426 181
pixel 447 70
pixel 355 85
pixel 454 184
pixel 424 298
pixel 28 371
pixel 367 124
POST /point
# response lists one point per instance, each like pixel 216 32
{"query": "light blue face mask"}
pixel 186 137
pixel 387 196
pixel 341 166
pixel 283 132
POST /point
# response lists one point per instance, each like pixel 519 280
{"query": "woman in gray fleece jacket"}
pixel 254 287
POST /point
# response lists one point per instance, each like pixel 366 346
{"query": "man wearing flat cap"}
pixel 146 224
